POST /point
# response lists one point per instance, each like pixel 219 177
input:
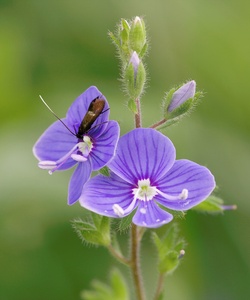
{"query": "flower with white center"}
pixel 145 174
pixel 60 147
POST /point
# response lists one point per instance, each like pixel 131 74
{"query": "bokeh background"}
pixel 58 49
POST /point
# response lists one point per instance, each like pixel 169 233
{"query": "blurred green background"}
pixel 58 49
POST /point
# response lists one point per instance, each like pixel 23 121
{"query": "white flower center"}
pixel 146 192
pixel 86 146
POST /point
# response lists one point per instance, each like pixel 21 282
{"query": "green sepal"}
pixel 144 51
pixel 134 83
pixel 124 39
pixel 125 222
pixel 213 205
pixel 125 25
pixel 132 106
pixel 140 80
pixel 129 79
pixel 167 99
pixel 177 114
pixel 137 35
pixel 105 171
pixel 117 289
pixel 114 39
pixel 169 245
pixel 181 110
pixel 94 229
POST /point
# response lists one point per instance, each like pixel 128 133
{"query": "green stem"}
pixel 116 254
pixel 138 122
pixel 158 123
pixel 160 287
pixel 135 262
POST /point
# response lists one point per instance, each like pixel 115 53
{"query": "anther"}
pixel 118 210
pixel 184 194
pixel 182 253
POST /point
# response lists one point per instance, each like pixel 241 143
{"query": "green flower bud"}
pixel 137 35
pixel 135 76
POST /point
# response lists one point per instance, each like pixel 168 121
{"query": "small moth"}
pixel 94 110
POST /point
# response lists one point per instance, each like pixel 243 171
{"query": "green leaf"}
pixel 94 229
pixel 117 289
pixel 168 245
pixel 105 171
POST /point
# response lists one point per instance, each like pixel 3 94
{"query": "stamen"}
pixel 78 157
pixel 182 196
pixel 182 253
pixel 62 160
pixel 229 207
pixel 118 210
pixel 46 164
pixel 131 205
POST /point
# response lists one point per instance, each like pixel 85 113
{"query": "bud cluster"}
pixel 131 42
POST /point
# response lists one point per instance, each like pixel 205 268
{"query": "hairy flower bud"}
pixel 137 35
pixel 181 95
pixel 135 76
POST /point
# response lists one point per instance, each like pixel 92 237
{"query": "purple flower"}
pixel 144 174
pixel 60 148
pixel 184 93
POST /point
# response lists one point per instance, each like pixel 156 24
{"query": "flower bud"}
pixel 181 95
pixel 137 35
pixel 135 60
pixel 135 76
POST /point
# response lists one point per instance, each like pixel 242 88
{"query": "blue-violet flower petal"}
pixel 144 172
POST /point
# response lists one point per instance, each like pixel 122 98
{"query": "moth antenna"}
pixel 56 115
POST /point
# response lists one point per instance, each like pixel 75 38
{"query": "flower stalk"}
pixel 135 262
pixel 118 256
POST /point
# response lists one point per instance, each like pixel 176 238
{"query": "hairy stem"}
pixel 160 287
pixel 138 121
pixel 158 123
pixel 118 256
pixel 135 262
